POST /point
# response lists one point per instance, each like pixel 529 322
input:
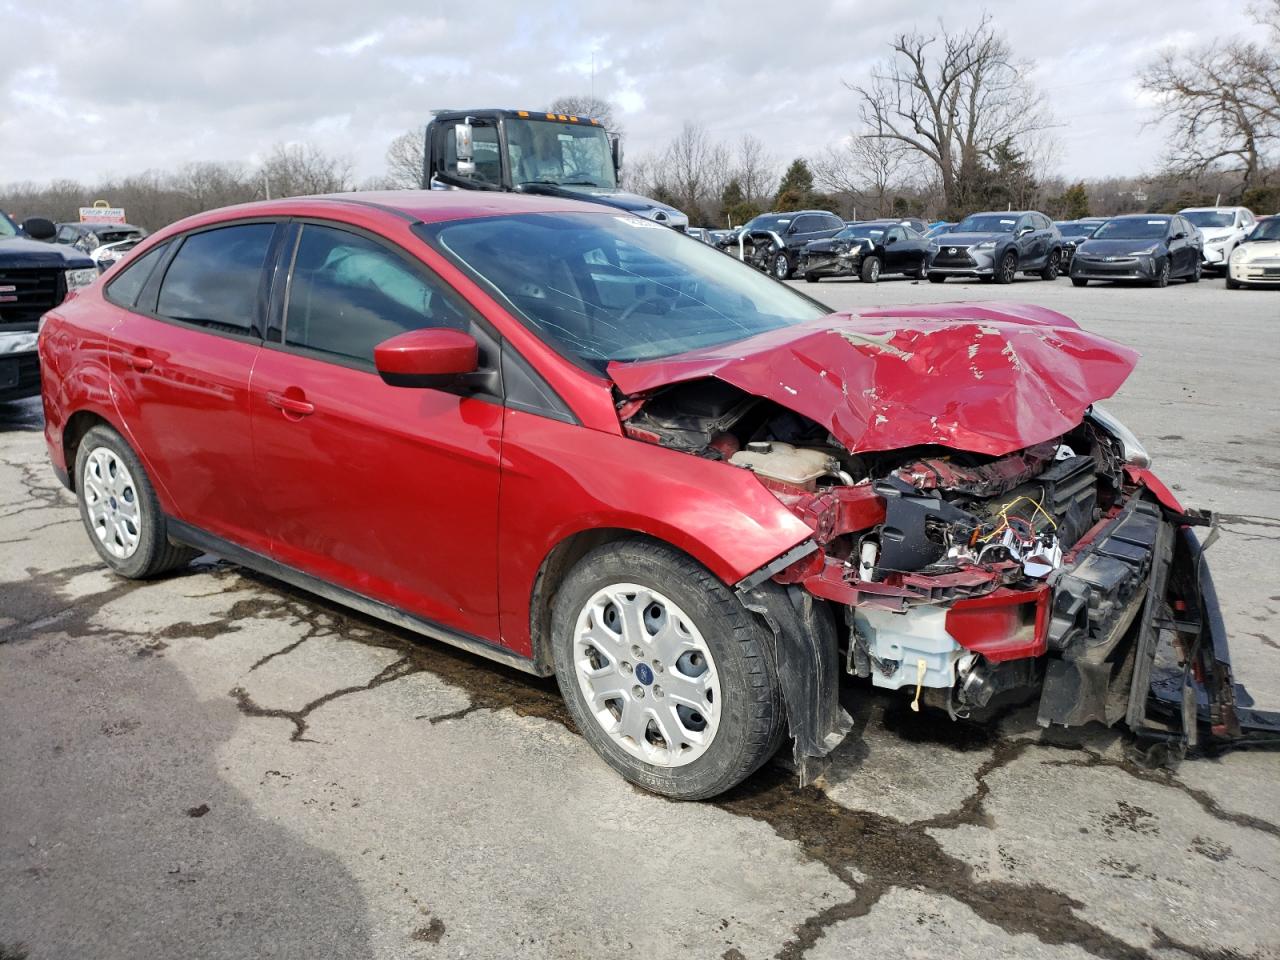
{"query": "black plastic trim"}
pixel 193 536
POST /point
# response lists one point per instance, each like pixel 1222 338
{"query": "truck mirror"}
pixel 464 149
pixel 615 147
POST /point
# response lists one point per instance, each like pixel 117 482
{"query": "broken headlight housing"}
pixel 1135 453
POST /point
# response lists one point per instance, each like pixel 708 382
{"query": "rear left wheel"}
pixel 669 678
pixel 119 508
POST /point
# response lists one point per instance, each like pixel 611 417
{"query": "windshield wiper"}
pixel 579 183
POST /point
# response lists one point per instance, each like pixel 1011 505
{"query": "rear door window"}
pixel 348 293
pixel 216 278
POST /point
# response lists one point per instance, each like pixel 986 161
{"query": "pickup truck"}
pixel 35 276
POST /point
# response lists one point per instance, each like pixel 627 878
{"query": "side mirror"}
pixel 615 148
pixel 434 357
pixel 464 148
pixel 791 229
pixel 38 228
pixel 1179 236
pixel 1022 231
pixel 889 240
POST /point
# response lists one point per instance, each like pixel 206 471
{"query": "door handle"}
pixel 141 364
pixel 294 405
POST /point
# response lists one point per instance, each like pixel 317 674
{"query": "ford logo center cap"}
pixel 644 673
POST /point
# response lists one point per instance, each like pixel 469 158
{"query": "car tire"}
pixel 1008 268
pixel 120 511
pixel 870 272
pixel 1079 282
pixel 1194 275
pixel 1050 271
pixel 1232 284
pixel 780 266
pixel 1162 274
pixel 811 278
pixel 937 278
pixel 706 620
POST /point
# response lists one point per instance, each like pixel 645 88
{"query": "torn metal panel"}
pixel 983 378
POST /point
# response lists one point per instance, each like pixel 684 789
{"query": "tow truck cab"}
pixel 527 151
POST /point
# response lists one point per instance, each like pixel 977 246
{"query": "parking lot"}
pixel 217 765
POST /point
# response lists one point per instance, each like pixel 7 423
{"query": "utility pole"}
pixel 593 74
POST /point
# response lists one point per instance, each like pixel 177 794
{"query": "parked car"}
pixel 1221 229
pixel 34 277
pixel 105 243
pixel 772 241
pixel 938 229
pixel 915 223
pixel 1075 232
pixel 1256 259
pixel 998 246
pixel 1152 248
pixel 560 437
pixel 867 250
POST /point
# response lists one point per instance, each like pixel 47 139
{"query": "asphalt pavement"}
pixel 216 765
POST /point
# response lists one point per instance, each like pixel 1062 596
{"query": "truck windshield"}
pixel 564 154
pixel 601 287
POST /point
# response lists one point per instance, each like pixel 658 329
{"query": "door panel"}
pixel 388 491
pixel 184 389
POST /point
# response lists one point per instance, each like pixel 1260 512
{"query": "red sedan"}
pixel 580 443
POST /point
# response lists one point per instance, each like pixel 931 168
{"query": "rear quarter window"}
pixel 124 289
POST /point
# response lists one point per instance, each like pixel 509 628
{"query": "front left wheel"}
pixel 119 508
pixel 670 679
pixel 781 266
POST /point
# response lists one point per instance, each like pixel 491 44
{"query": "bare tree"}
pixel 693 171
pixel 864 168
pixel 954 98
pixel 405 157
pixel 584 105
pixel 1223 103
pixel 756 171
pixel 299 169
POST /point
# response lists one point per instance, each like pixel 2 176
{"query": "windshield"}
pixel 1074 228
pixel 1211 218
pixel 862 231
pixel 565 154
pixel 987 223
pixel 603 287
pixel 767 221
pixel 1137 228
pixel 7 227
pixel 939 229
pixel 1267 230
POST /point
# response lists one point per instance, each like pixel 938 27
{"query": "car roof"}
pixel 1210 209
pixel 1143 216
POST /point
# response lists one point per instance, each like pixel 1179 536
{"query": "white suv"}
pixel 1222 229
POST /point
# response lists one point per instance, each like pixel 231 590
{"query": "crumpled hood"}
pixel 988 378
pixel 832 244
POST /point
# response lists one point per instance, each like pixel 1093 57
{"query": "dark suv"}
pixel 773 241
pixel 998 246
pixel 35 276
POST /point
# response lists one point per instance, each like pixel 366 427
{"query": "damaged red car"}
pixel 580 443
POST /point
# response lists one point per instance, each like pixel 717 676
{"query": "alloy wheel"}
pixel 1008 268
pixel 112 502
pixel 781 267
pixel 647 675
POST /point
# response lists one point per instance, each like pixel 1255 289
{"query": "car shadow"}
pixel 21 415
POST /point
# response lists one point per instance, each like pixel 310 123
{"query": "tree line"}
pixel 948 123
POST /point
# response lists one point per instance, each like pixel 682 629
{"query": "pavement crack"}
pixel 394 671
pixel 451 715
pixel 1165 778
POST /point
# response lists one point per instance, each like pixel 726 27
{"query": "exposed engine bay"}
pixel 961 575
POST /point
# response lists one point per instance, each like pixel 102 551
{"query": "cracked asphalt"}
pixel 217 765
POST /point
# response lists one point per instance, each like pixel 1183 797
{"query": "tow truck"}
pixel 529 151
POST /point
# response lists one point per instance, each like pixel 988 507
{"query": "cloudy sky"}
pixel 89 90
